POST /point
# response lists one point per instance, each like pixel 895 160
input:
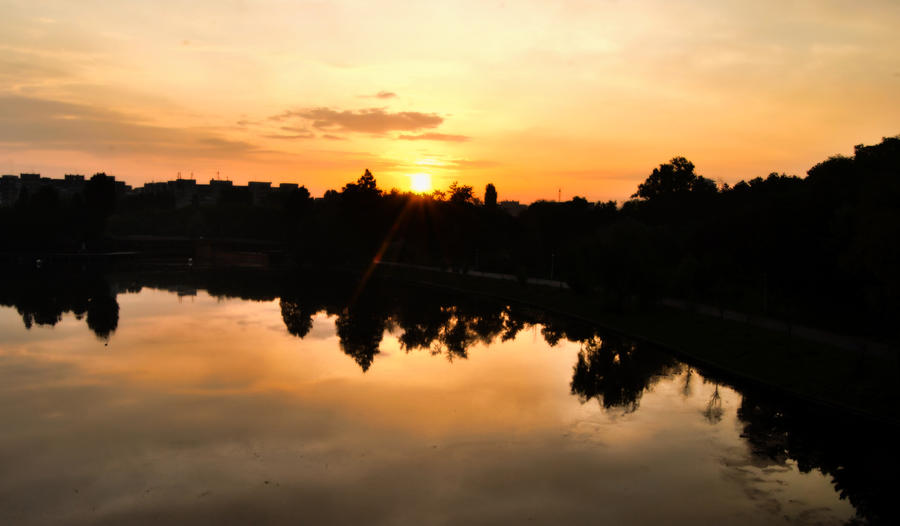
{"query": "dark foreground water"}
pixel 148 400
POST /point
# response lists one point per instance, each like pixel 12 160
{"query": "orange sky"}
pixel 587 96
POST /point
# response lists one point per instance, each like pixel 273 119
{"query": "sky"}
pixel 539 98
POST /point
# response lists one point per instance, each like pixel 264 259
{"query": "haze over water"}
pixel 200 409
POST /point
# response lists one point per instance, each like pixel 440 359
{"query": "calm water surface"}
pixel 188 408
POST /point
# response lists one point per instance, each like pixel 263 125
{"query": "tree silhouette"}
pixel 461 193
pixel 364 186
pixel 821 250
pixel 367 181
pixel 672 178
pixel 100 201
pixel 490 196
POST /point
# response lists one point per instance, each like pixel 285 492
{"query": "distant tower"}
pixel 559 195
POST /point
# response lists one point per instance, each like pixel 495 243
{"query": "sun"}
pixel 420 183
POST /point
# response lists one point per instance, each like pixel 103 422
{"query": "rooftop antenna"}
pixel 559 194
pixel 179 175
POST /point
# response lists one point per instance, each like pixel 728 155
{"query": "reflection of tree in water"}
pixel 435 322
pixel 616 372
pixel 43 297
pixel 102 310
pixel 555 329
pixel 860 457
pixel 420 327
pixel 297 316
pixel 513 323
pixel 359 331
pixel 440 323
pixel 445 327
pixel 687 388
pixel 466 326
pixel 713 411
pixel 610 369
pixel 456 335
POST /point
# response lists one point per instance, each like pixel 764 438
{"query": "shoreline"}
pixel 853 383
pixel 813 373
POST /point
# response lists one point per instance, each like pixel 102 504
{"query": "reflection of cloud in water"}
pixel 194 417
pixel 323 327
pixel 780 492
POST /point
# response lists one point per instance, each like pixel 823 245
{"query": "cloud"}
pixel 22 69
pixel 432 136
pixel 44 124
pixel 470 163
pixel 307 135
pixel 379 95
pixel 333 137
pixel 294 132
pixel 370 120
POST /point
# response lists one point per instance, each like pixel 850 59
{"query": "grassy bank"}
pixel 821 374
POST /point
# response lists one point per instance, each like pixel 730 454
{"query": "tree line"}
pixel 821 249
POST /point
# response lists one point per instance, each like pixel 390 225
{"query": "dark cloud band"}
pixel 371 120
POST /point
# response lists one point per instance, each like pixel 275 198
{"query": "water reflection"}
pixel 860 458
pixel 604 370
pixel 616 372
pixel 43 299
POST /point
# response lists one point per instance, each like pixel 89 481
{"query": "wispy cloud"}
pixel 370 120
pixel 293 132
pixel 380 95
pixel 432 136
pixel 44 124
pixel 305 135
pixel 470 163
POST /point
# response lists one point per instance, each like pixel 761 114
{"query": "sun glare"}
pixel 420 183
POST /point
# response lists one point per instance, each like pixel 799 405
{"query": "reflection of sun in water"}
pixel 420 183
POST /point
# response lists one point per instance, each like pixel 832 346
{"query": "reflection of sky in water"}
pixel 208 410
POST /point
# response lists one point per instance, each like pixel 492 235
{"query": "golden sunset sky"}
pixel 587 96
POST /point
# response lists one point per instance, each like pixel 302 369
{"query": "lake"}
pixel 190 398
